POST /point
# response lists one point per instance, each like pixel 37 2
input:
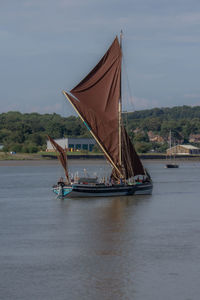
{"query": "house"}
pixel 194 138
pixel 73 144
pixel 155 138
pixel 137 130
pixel 183 150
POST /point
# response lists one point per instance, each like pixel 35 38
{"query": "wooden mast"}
pixel 170 143
pixel 120 111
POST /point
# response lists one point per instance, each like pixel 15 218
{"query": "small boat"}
pixel 171 164
pixel 98 102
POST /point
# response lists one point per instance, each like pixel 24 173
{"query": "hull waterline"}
pixel 85 191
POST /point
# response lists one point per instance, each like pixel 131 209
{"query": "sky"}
pixel 47 46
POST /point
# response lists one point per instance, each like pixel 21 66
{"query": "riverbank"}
pixel 77 156
pixel 45 157
pixel 19 156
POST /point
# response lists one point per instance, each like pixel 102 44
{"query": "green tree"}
pixel 141 137
pixel 142 147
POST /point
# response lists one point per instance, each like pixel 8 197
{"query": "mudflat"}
pixel 28 162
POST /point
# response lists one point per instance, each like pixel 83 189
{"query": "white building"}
pixel 73 144
pixel 183 149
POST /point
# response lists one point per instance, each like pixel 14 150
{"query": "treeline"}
pixel 176 112
pixel 28 132
pixel 182 121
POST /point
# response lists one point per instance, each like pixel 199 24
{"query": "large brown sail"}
pixel 61 156
pixel 96 98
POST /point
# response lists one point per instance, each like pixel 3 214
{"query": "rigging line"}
pixel 124 121
pixel 126 79
pixel 124 116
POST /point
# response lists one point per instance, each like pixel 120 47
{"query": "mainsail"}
pixel 61 156
pixel 96 100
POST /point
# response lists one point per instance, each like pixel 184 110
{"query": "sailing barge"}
pixel 98 102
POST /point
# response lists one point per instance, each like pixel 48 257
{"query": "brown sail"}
pixel 61 156
pixel 130 160
pixel 96 99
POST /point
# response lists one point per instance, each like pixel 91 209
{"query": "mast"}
pixel 120 110
pixel 170 143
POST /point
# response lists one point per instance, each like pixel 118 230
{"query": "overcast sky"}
pixel 49 45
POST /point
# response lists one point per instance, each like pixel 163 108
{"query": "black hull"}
pixel 85 191
pixel 171 166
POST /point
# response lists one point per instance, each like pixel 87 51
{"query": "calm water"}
pixel 140 247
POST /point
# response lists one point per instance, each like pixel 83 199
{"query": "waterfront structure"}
pixel 73 144
pixel 183 150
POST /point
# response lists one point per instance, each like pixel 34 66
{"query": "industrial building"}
pixel 73 144
pixel 183 150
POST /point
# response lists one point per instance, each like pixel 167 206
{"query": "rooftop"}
pixel 186 147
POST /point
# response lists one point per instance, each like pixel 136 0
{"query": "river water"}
pixel 136 247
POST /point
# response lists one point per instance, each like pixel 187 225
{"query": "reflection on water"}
pixel 133 247
pixel 109 241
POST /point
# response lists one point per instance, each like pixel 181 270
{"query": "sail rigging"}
pixel 61 153
pixel 97 100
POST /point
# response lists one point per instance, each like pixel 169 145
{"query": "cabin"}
pixel 73 144
pixel 183 150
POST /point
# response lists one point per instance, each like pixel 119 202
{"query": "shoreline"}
pixel 48 159
pixel 55 162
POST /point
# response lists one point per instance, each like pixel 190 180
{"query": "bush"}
pixel 30 148
pixel 142 147
pixel 96 149
pixel 16 148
